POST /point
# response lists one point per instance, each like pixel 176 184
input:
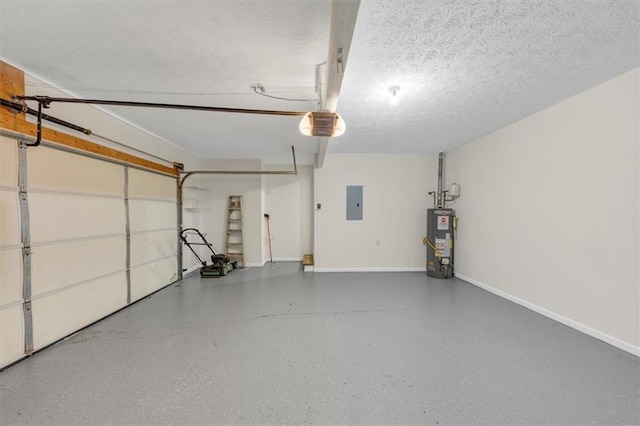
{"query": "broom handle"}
pixel 269 236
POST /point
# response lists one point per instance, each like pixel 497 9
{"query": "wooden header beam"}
pixel 12 83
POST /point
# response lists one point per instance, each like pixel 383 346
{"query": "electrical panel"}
pixel 354 202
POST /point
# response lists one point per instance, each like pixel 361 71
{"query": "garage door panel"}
pixel 8 162
pixel 147 215
pixel 10 276
pixel 52 169
pixel 11 335
pixel 11 316
pixel 151 186
pixel 56 266
pixel 60 314
pixel 77 226
pixel 150 246
pixel 56 217
pixel 9 219
pixel 146 279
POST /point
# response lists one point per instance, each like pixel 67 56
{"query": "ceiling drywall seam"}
pixel 343 22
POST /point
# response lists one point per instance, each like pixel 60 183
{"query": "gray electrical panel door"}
pixel 354 202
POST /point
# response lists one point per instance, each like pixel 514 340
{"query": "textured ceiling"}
pixel 192 52
pixel 466 68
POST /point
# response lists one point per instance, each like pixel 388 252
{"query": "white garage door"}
pixel 153 216
pixel 11 316
pixel 78 241
pixel 100 235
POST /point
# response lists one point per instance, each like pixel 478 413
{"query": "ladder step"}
pixel 234 229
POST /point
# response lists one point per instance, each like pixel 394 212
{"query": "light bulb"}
pixel 306 124
pixel 339 126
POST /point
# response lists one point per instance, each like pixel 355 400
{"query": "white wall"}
pixel 286 198
pixel 289 203
pixel 549 209
pixel 395 201
pixel 220 187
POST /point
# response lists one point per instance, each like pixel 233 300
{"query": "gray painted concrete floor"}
pixel 274 345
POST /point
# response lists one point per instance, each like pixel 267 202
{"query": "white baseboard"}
pixel 255 264
pixel 387 269
pixel 635 350
pixel 287 259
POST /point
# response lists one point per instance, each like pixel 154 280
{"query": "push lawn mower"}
pixel 221 264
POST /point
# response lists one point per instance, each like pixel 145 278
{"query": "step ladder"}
pixel 234 243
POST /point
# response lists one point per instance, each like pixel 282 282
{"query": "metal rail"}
pixel 25 109
pixel 48 100
pixel 244 172
pixel 45 101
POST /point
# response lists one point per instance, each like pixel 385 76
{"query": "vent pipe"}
pixel 440 193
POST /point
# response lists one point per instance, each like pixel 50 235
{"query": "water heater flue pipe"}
pixel 440 194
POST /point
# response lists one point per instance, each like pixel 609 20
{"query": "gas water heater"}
pixel 439 241
pixel 441 228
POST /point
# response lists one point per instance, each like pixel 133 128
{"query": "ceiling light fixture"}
pixel 322 123
pixel 394 95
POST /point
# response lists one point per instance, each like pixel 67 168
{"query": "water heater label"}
pixel 443 223
pixel 443 248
